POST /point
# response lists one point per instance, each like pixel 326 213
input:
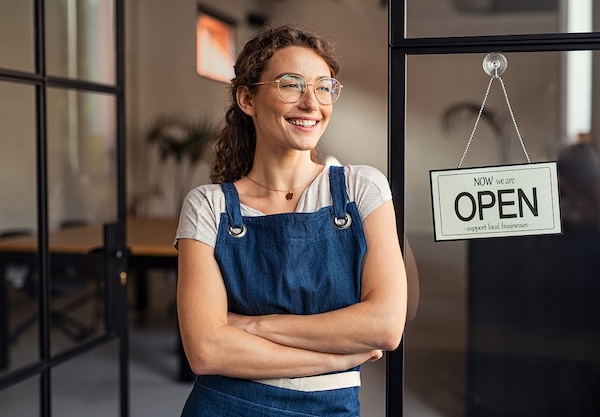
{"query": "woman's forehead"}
pixel 297 60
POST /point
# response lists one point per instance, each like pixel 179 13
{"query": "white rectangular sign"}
pixel 499 201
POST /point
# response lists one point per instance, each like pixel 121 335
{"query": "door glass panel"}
pixel 74 395
pixel 506 326
pixel 81 198
pixel 18 244
pixel 442 18
pixel 17 35
pixel 21 399
pixel 80 38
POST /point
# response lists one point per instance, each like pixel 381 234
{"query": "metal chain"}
pixel 512 116
pixel 479 117
pixel 476 122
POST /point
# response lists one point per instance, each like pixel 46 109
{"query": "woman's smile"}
pixel 305 123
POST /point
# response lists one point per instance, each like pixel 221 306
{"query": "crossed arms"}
pixel 289 345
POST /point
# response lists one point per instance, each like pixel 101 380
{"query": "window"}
pixel 215 46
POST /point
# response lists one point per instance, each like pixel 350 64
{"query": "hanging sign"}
pixel 498 201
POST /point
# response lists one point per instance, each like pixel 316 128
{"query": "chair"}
pixel 69 278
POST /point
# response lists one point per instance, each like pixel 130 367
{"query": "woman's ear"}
pixel 245 100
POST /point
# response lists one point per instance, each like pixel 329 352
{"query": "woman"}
pixel 290 273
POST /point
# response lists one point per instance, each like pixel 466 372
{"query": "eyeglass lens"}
pixel 293 87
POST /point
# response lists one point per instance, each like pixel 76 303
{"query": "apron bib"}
pixel 289 263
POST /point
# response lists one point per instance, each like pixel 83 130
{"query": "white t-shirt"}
pixel 202 207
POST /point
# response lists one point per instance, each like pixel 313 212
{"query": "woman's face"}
pixel 283 126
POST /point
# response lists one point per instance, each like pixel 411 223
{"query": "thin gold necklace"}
pixel 289 193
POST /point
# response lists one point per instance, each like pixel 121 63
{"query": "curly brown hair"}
pixel 235 148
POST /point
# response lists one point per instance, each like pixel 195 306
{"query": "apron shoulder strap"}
pixel 232 202
pixel 337 184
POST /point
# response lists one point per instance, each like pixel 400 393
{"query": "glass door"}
pixel 506 326
pixel 63 257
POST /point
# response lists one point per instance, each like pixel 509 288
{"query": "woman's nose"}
pixel 309 100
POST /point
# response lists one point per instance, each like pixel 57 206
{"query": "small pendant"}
pixel 289 195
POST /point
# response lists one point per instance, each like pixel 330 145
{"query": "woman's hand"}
pixel 248 323
pixel 376 355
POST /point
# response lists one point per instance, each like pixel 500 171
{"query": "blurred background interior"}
pixel 505 327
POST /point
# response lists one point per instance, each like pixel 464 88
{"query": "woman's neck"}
pixel 276 188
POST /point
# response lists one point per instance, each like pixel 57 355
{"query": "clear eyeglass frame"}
pixel 327 89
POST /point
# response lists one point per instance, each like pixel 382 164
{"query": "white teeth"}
pixel 303 123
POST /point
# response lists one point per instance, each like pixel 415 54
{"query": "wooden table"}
pixel 150 241
pixel 146 237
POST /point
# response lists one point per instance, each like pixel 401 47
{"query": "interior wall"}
pixel 17 136
pixel 18 209
pixel 161 79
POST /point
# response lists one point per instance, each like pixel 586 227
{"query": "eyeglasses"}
pixel 292 88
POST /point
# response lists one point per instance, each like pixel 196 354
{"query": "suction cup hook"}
pixel 495 64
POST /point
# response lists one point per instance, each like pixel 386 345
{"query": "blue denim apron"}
pixel 289 263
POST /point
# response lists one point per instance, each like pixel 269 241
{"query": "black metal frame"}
pixel 115 251
pixel 398 49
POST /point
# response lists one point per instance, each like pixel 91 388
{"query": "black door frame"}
pixel 115 250
pixel 399 48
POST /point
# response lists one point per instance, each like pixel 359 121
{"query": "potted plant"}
pixel 187 142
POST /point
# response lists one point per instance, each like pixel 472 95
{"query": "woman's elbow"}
pixel 390 334
pixel 200 364
pixel 196 368
pixel 391 340
pixel 204 357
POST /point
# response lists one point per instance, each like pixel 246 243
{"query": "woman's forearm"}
pixel 356 328
pixel 230 352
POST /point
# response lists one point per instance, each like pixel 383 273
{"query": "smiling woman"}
pixel 282 298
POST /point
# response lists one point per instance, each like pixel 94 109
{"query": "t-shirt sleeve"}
pixel 200 215
pixel 368 187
